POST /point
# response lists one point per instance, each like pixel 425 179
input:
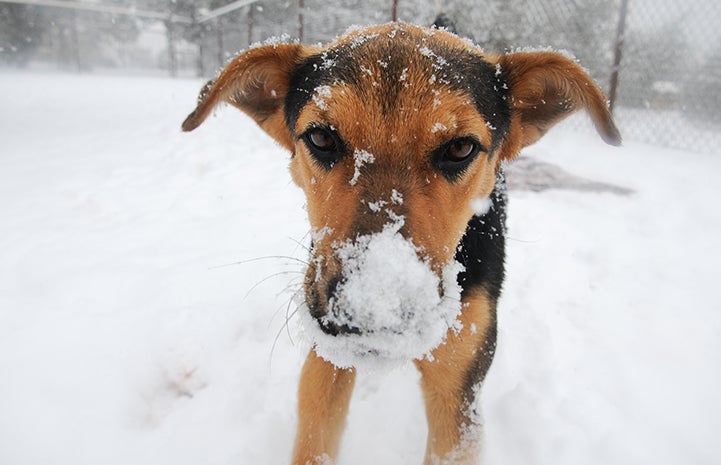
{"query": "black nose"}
pixel 334 329
pixel 331 287
pixel 327 324
pixel 318 299
pixel 317 296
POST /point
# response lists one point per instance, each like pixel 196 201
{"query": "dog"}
pixel 397 134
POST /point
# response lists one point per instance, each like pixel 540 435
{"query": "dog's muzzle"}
pixel 384 301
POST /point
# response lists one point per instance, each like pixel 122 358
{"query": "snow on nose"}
pixel 400 309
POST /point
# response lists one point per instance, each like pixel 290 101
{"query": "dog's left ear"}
pixel 256 82
pixel 545 88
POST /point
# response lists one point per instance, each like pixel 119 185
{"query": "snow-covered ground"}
pixel 125 338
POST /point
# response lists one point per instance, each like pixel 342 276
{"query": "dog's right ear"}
pixel 545 88
pixel 256 82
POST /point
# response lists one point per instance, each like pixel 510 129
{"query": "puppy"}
pixel 398 135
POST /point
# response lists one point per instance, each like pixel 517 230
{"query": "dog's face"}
pixel 400 128
pixel 393 125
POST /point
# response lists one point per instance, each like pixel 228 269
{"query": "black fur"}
pixel 483 247
pixel 442 21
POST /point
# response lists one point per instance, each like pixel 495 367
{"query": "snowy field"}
pixel 125 338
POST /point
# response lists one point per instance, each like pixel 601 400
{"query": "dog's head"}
pixel 394 131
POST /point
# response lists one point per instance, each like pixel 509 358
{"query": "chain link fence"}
pixel 669 77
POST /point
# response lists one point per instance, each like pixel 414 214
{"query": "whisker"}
pixel 521 240
pixel 300 244
pixel 286 323
pixel 274 275
pixel 293 283
pixel 293 293
pixel 288 317
pixel 269 257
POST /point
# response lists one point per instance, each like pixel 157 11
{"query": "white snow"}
pixel 360 158
pixel 438 126
pixel 367 71
pixel 327 63
pixel 274 41
pixel 439 62
pixel 392 297
pixel 320 94
pixel 426 52
pixel 358 38
pixel 377 206
pixel 481 205
pixel 396 197
pixel 404 75
pixel 124 339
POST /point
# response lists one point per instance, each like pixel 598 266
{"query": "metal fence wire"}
pixel 669 74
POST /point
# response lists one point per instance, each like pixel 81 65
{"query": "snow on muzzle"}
pixel 387 305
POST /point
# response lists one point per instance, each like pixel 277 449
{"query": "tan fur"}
pixel 256 82
pixel 443 380
pixel 336 204
pixel 323 399
pixel 545 87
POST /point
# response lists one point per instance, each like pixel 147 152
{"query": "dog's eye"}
pixel 452 158
pixel 324 144
pixel 321 139
pixel 461 149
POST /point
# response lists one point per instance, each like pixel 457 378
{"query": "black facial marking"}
pixel 470 73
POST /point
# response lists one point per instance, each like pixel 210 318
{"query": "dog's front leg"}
pixel 450 380
pixel 323 397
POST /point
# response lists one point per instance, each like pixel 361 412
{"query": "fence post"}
pixel 75 41
pixel 220 41
pixel 172 60
pixel 250 25
pixel 394 13
pixel 620 36
pixel 199 36
pixel 301 7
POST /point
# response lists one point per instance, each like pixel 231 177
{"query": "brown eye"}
pixel 324 145
pixel 459 150
pixel 321 139
pixel 453 157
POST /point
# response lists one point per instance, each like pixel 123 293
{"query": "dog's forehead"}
pixel 397 67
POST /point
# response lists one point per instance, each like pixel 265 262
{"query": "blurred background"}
pixel 659 61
